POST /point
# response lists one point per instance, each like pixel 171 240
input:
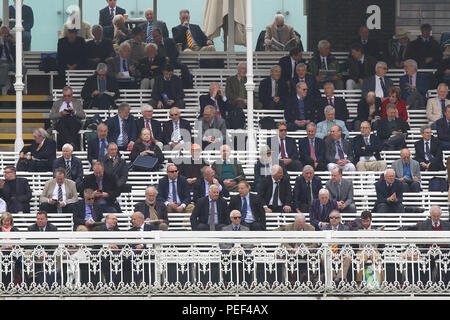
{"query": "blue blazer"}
pixel 313 90
pixel 422 84
pixel 105 16
pixel 382 191
pixel 290 146
pixel 291 111
pixel 182 190
pixel 76 168
pixel 47 152
pixel 300 190
pixel 315 214
pixel 443 131
pixel 79 213
pixel 179 35
pixel 156 128
pixel 265 92
pixel 114 128
pixel 304 151
pixel 369 84
pixel 339 105
pixel 93 149
pixel 224 106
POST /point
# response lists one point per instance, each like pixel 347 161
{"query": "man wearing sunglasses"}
pixel 174 191
pixel 286 148
pixel 174 130
pixel 299 110
pixel 87 211
pixel 378 83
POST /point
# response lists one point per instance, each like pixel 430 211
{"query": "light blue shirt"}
pixel 100 144
pixel 322 128
pixel 249 217
pixel 169 197
pixel 88 212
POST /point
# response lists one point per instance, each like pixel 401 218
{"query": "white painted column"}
pixel 250 85
pixel 19 86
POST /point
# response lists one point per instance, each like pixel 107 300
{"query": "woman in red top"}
pixel 394 97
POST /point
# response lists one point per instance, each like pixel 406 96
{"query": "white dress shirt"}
pixel 65 106
pixel 249 217
pixel 55 192
pixel 274 185
pixel 378 89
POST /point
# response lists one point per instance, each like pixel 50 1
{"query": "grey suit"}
pixel 114 66
pixel 230 245
pixel 218 124
pixel 331 153
pixel 346 194
pixel 370 85
pixel 409 185
pixel 77 106
pixel 427 225
pixel 230 228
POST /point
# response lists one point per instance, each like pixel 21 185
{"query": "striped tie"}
pixel 60 197
pixel 312 150
pixel 124 134
pixel 68 170
pixel 189 39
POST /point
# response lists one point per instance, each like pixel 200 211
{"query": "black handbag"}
pixel 23 164
pixel 48 62
pixel 144 163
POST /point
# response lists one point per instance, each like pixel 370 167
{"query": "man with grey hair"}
pixel 214 129
pixel 428 151
pixel 389 194
pixel 339 152
pixel 236 91
pixel 341 190
pixel 137 44
pixel 100 90
pixel 306 189
pixel 436 106
pixel 323 62
pixel 40 154
pixel 217 98
pixel 276 191
pixel 98 49
pixel 151 24
pixel 434 222
pixel 272 90
pixel 414 86
pixel 324 127
pixel 320 209
pixel 367 148
pixel 299 224
pixel 147 121
pixel 407 171
pixel 299 110
pixel 236 219
pixel 123 68
pixel 301 75
pixel 378 83
pixel 122 128
pixel 154 211
pixel 117 32
pixel 330 99
pixel 150 66
pixel 280 33
pixel 191 36
pixel 311 149
pixel 72 164
pixel 211 212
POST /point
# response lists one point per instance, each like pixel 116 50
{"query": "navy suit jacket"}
pixel 435 150
pixel 109 186
pixel 105 16
pixel 369 84
pixel 198 189
pixel 21 202
pixel 382 191
pixel 286 67
pixel 114 128
pixel 305 154
pixel 316 215
pixel 284 191
pixel 179 35
pixel 300 190
pixel 265 92
pixel 93 149
pixel 201 212
pixel 291 111
pixel 290 146
pixel 256 204
pixel 177 88
pixel 79 213
pixel 383 131
pixel 339 105
pixel 183 190
pixel 147 227
pixel 422 84
pixel 76 168
pixel 168 129
pixel 47 151
pixel 443 130
pixel 156 128
pixel 224 106
pixel 375 146
pixel 313 90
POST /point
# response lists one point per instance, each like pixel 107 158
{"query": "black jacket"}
pixel 154 124
pixel 292 112
pixel 300 190
pixel 284 191
pixel 375 146
pixel 198 189
pixel 161 210
pixel 120 170
pixel 339 105
pixel 103 50
pixel 139 147
pixel 90 85
pixel 435 150
pixel 47 155
pixel 71 53
pixel 383 131
pixel 79 213
pixel 48 227
pixel 109 186
pixel 175 83
pixel 19 202
pixel 201 212
pixel 144 66
pixel 76 168
pixel 290 146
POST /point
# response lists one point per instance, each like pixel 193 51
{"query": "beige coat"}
pixel 291 227
pixel 434 109
pixel 78 108
pixel 287 34
pixel 85 31
pixel 71 191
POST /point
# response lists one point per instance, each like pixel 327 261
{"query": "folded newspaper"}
pixel 278 46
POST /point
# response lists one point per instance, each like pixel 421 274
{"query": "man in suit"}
pixel 312 149
pixel 211 212
pixel 166 47
pixel 443 129
pixel 67 115
pixel 407 171
pixel 250 206
pixel 168 90
pixel 339 152
pixel 173 190
pixel 436 106
pixel 339 105
pixel 301 75
pixel 425 50
pixel 369 109
pixel 428 151
pixel 15 191
pixel 360 66
pixel 306 189
pixel 150 66
pixel 235 225
pixel 324 60
pixel 235 89
pixel 369 45
pixel 299 109
pixel 123 68
pixel 107 14
pixel 105 188
pixel 286 148
pixel 176 131
pixel 97 147
pixel 230 172
pixel 154 210
pixel 367 148
pixel 434 223
pixel 138 222
pixel 122 128
pixel 191 167
pixel 110 225
pixel 28 22
pixel 272 90
pixel 98 49
pixel 100 90
pixel 72 165
pixel 324 127
pixel 59 194
pixel 262 167
pixel 378 83
pixel 276 191
pixel 201 187
pixel 289 65
pixel 42 224
pixel 389 194
pixel 299 224
pixel 217 98
pixel 341 190
pixel 116 166
pixel 7 60
pixel 214 129
pixel 137 44
pixel 42 152
pixel 320 208
pixel 151 25
pixel 190 35
pixel 281 32
pixel 148 122
pixel 414 86
pixel 87 212
pixel 71 53
pixel 391 130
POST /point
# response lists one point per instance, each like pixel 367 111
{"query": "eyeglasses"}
pixel 282 130
pixel 235 218
pixel 173 171
pixel 90 198
pixel 67 95
pixel 305 89
pixel 334 217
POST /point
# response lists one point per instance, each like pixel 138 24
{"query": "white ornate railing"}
pixel 224 263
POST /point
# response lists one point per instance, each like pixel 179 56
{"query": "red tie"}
pixel 99 188
pixel 283 153
pixel 330 101
pixel 311 150
pixel 217 108
pixel 148 124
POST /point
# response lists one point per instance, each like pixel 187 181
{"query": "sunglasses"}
pixel 335 217
pixel 282 130
pixel 67 95
pixel 235 218
pixel 172 115
pixel 89 198
pixel 173 171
